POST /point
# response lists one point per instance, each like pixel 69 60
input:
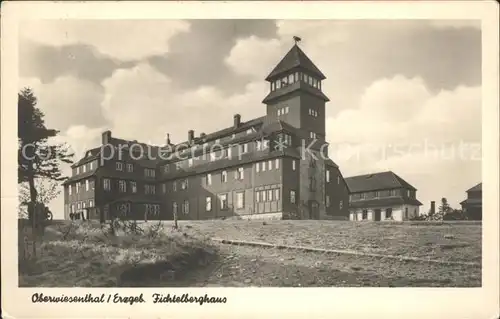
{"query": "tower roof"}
pixel 295 58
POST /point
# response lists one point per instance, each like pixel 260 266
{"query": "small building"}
pixel 473 205
pixel 381 196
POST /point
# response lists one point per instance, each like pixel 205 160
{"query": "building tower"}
pixel 295 93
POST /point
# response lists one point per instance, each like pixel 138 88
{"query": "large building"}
pixel 381 196
pixel 473 205
pixel 274 166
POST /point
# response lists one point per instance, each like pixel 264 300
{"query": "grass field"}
pixel 226 265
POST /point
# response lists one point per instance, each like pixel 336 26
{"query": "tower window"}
pixel 272 86
pixel 296 76
pixel 284 81
pixel 278 84
pixel 290 79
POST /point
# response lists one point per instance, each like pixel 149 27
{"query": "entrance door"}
pixel 377 214
pixel 314 210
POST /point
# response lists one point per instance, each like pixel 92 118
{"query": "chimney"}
pixel 237 120
pixel 433 208
pixel 106 137
pixel 190 136
pixel 168 139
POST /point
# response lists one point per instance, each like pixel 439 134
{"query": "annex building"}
pixel 274 166
pixel 382 196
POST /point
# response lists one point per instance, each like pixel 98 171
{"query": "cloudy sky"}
pixel 405 95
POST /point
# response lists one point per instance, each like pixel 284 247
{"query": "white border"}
pixel 260 302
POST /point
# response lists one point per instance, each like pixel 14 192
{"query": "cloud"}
pixel 246 57
pixel 68 101
pixel 121 39
pixel 142 103
pixel 455 24
pixel 426 138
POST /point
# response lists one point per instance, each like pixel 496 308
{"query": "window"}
pixel 208 203
pixel 277 194
pixel 78 170
pixel 406 212
pixel 240 200
pixel 209 179
pixel 119 166
pixel 84 167
pixel 277 163
pixel 166 168
pixel 174 207
pixel 149 189
pixel 258 145
pixel 286 109
pixel 91 166
pixel 133 187
pixel 365 214
pixel 362 195
pixel 223 201
pixel 292 197
pixel 233 136
pixel 270 195
pixel 185 207
pixel 296 76
pixel 338 180
pixel 272 86
pixel 212 156
pixel 327 176
pixel 190 162
pixel 130 168
pixel 327 200
pixel 294 164
pixel 84 205
pixel 184 184
pixel 263 195
pixel 174 186
pixel 407 193
pixel 270 163
pixel 376 194
pixel 388 212
pixel 243 148
pixel 263 166
pixel 257 196
pixel 78 205
pixel 217 141
pixel 91 203
pixel 223 176
pixel 341 204
pixel 77 187
pixel 164 188
pixel 279 112
pixel 257 168
pixel 70 189
pixel 312 183
pixel 72 208
pixel 240 174
pixel 393 192
pixel 290 78
pixel 312 135
pixel 278 84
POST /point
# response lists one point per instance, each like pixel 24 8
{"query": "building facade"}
pixel 274 166
pixel 473 205
pixel 381 196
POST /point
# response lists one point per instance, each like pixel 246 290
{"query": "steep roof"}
pixel 376 181
pixel 477 188
pixel 295 58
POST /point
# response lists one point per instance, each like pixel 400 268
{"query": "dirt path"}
pixel 239 266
